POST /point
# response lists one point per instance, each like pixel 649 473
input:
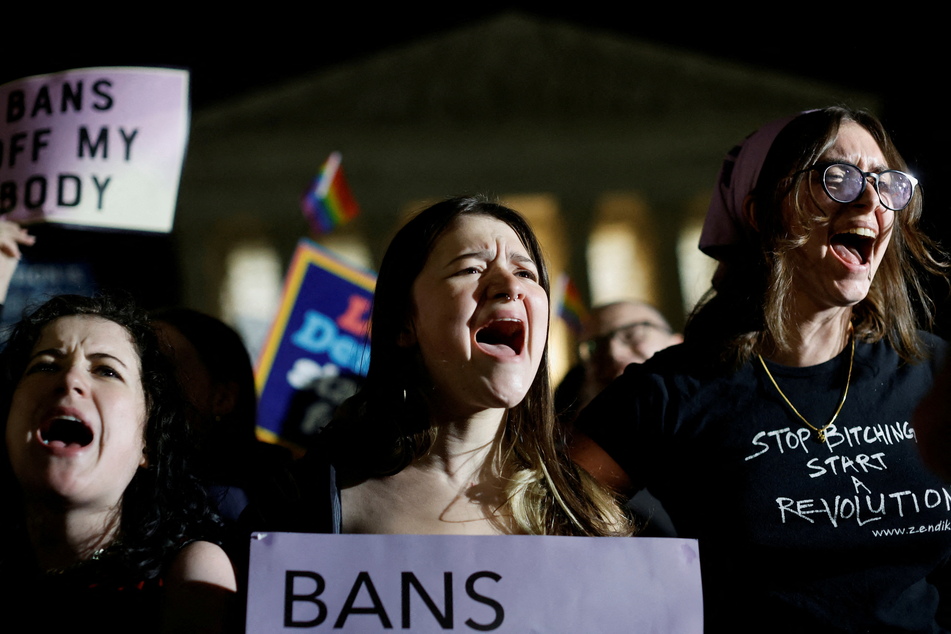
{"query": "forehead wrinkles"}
pixel 865 162
pixel 94 335
pixel 856 145
pixel 459 241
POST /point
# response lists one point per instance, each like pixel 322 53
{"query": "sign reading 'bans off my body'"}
pixel 94 147
pixel 437 583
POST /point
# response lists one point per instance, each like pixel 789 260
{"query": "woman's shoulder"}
pixel 936 346
pixel 201 562
pixel 934 351
pixel 683 367
pixel 200 586
pixel 644 390
pixel 682 358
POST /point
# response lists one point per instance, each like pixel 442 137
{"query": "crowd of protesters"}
pixel 776 430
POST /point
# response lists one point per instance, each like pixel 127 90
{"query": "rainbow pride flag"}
pixel 328 203
pixel 571 307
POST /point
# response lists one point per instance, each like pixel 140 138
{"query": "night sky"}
pixel 899 55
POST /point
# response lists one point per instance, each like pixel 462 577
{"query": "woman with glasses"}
pixel 779 433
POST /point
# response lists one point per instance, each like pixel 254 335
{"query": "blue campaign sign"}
pixel 316 352
pixel 35 282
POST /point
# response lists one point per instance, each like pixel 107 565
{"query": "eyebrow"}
pixel 56 353
pixel 877 168
pixel 486 254
pixel 522 259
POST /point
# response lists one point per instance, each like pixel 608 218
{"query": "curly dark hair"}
pixel 164 506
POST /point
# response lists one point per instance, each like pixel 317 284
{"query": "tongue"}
pixel 500 349
pixel 501 337
pixel 495 340
pixel 847 254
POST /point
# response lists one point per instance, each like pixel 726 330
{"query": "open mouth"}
pixel 65 431
pixel 854 246
pixel 503 335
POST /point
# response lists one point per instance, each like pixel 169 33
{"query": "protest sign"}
pixel 94 147
pixel 36 281
pixel 437 583
pixel 316 351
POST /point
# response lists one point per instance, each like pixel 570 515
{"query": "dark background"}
pixel 892 51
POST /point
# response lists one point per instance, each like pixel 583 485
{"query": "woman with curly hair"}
pixel 453 430
pixel 779 434
pixel 105 524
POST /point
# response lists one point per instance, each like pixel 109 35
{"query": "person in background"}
pixel 614 336
pixel 779 433
pixel 217 378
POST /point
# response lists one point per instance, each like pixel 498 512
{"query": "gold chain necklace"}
pixel 820 431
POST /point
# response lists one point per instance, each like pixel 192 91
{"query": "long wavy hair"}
pixel 387 425
pixel 164 506
pixel 747 310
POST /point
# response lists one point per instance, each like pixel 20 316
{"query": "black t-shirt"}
pixel 794 533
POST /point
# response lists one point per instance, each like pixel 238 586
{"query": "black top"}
pixel 94 596
pixel 794 533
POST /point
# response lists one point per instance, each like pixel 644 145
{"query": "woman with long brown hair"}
pixel 453 431
pixel 779 432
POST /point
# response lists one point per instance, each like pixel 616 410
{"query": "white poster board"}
pixel 436 583
pixel 94 147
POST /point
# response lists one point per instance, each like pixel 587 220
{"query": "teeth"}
pixel 46 429
pixel 865 232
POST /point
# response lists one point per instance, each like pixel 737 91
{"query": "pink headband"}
pixel 725 224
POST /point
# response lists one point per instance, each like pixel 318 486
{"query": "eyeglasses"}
pixel 631 335
pixel 845 183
